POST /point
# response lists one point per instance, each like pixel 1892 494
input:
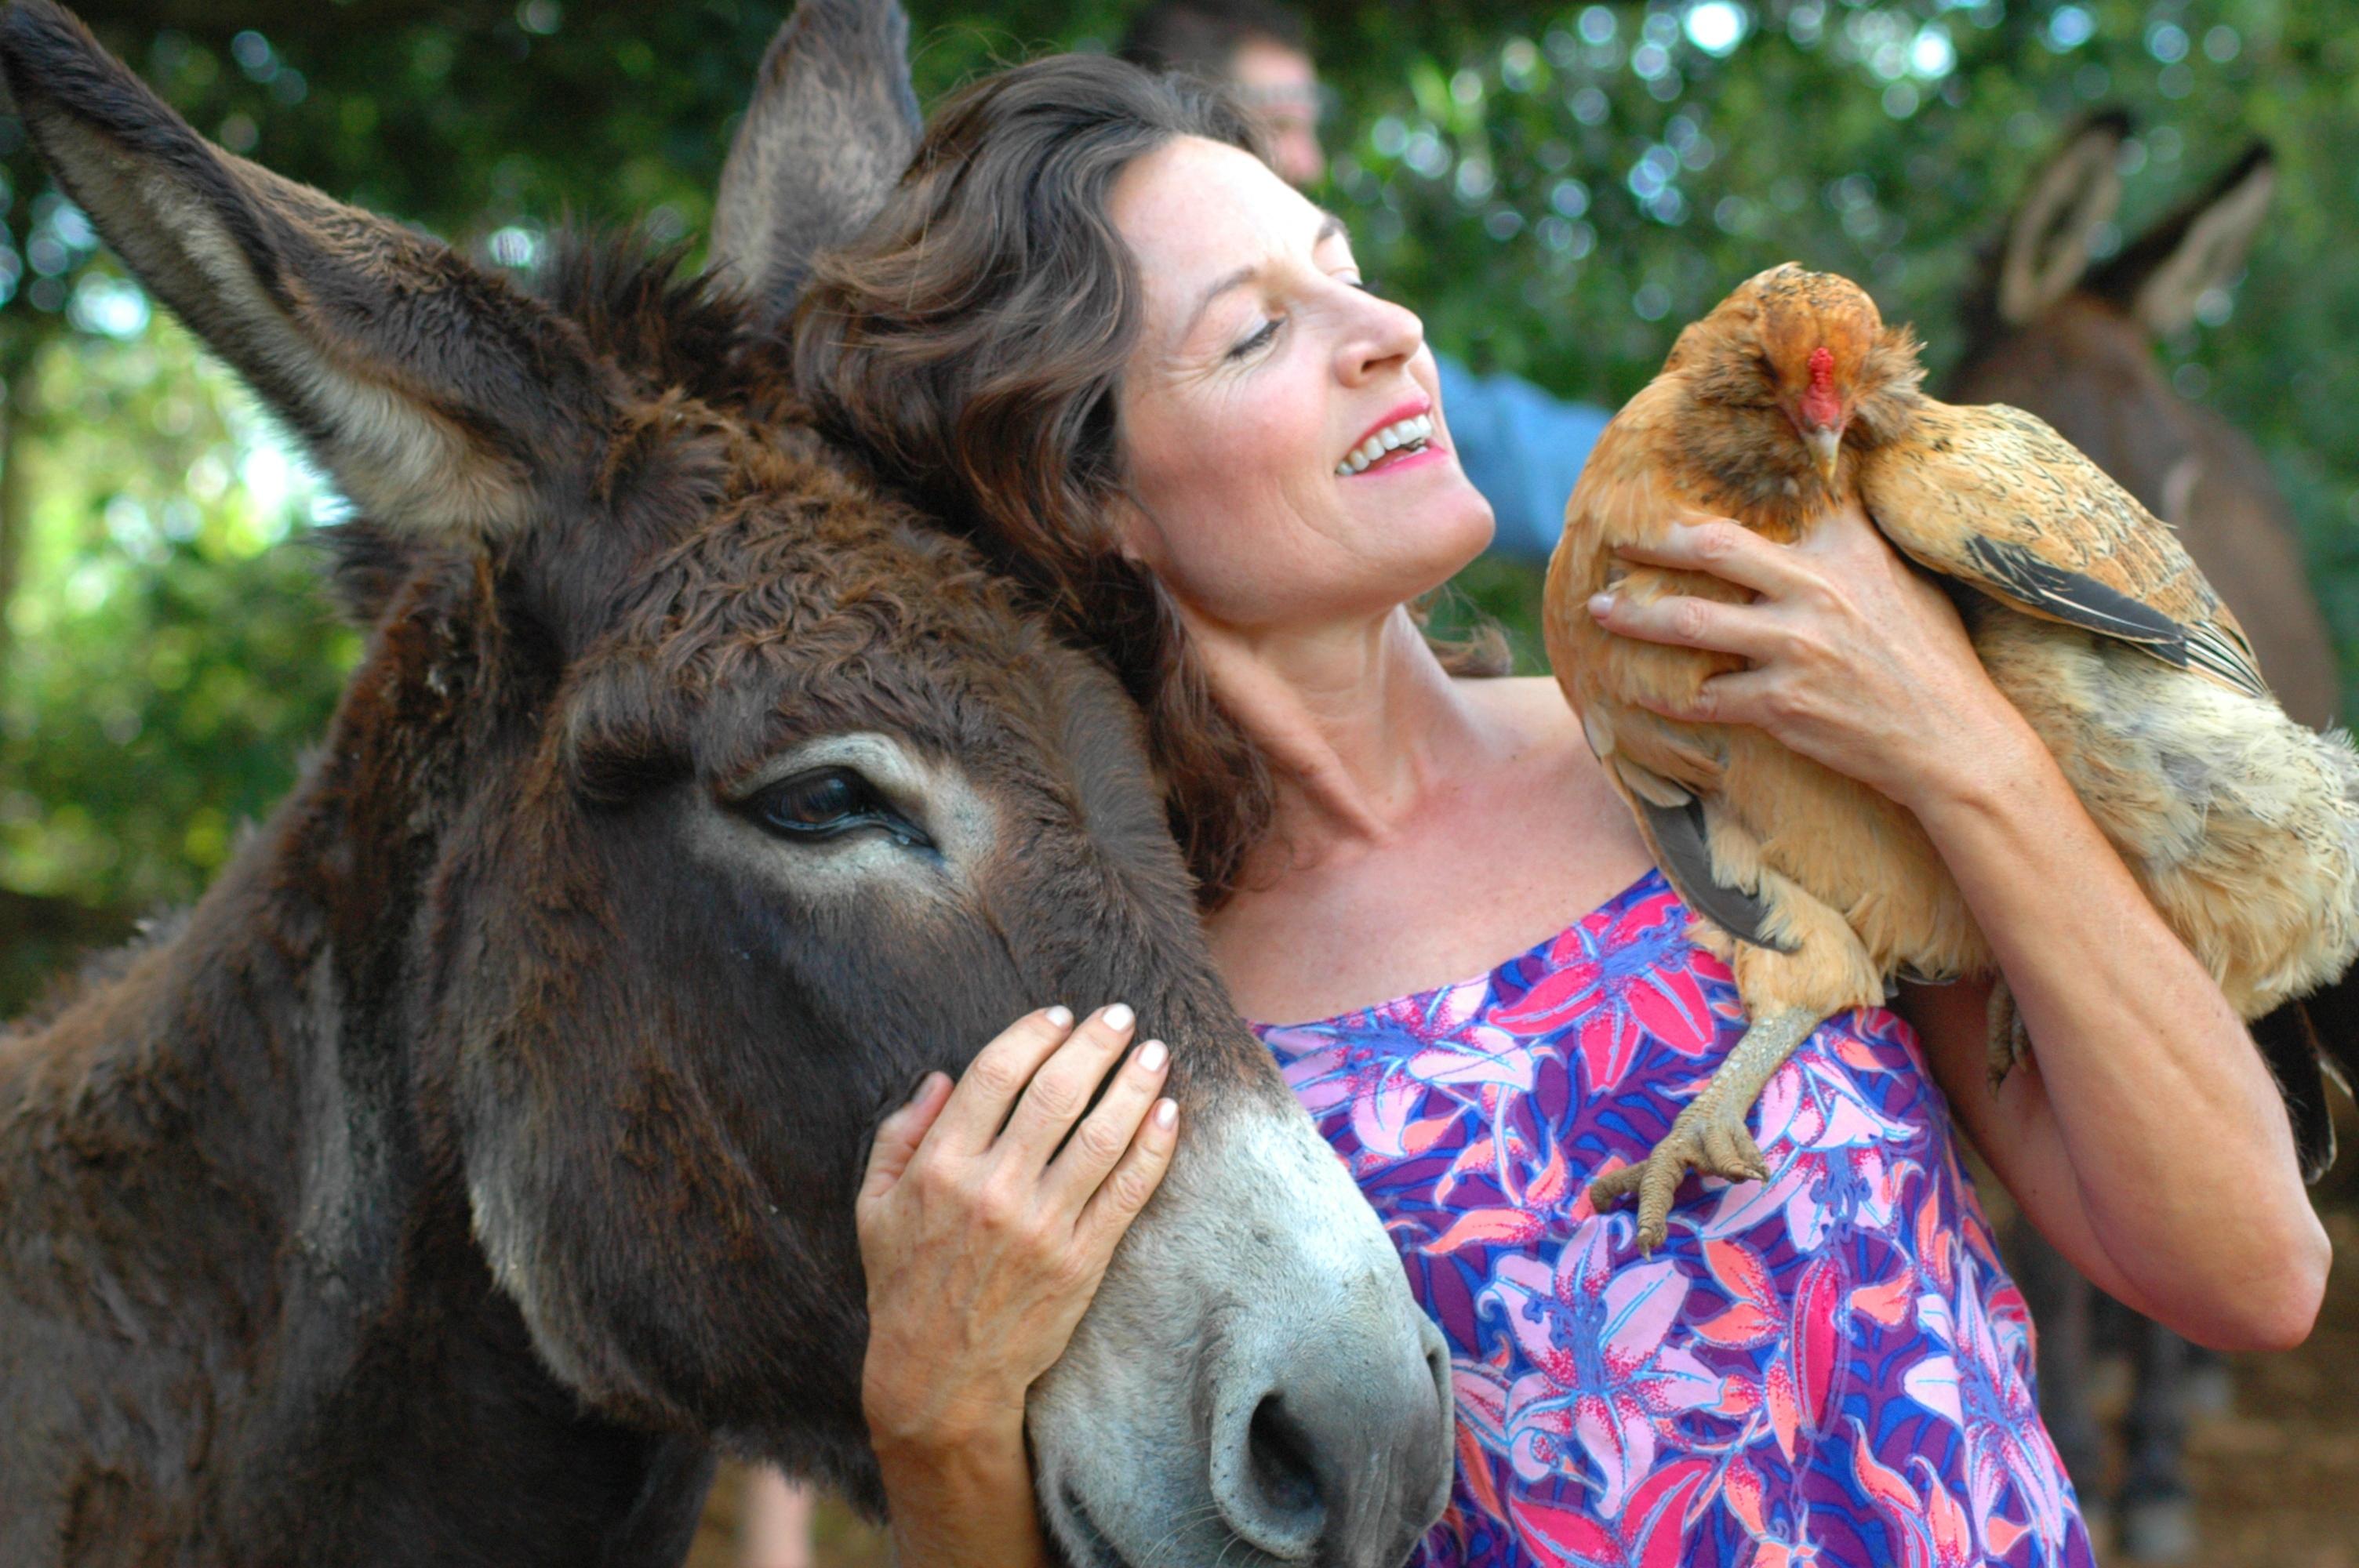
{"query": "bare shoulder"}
pixel 1534 702
pixel 1535 724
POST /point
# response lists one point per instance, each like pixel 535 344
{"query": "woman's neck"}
pixel 1360 724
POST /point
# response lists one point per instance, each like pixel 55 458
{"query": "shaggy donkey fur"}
pixel 479 1153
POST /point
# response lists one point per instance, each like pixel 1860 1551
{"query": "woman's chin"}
pixel 1447 533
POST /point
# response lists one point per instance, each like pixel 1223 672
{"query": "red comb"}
pixel 1819 404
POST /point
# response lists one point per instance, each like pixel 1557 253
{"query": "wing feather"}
pixel 1992 497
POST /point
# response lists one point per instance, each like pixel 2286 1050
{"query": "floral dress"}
pixel 1829 1368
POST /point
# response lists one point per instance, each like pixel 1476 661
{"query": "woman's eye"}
pixel 1259 339
pixel 824 804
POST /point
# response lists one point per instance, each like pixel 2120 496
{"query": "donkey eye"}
pixel 827 802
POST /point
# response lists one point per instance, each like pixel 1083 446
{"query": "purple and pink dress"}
pixel 1830 1367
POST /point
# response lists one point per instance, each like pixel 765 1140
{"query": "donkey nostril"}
pixel 1279 1453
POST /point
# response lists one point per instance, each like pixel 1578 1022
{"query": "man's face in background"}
pixel 1279 87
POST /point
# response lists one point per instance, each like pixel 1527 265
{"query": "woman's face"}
pixel 1263 371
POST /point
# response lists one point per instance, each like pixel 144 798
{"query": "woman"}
pixel 1094 328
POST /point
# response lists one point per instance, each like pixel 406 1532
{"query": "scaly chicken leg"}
pixel 1798 963
pixel 1709 1134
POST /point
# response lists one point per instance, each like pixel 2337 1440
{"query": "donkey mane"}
pixel 637 302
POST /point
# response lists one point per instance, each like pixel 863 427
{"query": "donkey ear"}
pixel 2198 248
pixel 436 394
pixel 830 131
pixel 2047 242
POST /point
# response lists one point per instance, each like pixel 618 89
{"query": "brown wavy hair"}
pixel 970 343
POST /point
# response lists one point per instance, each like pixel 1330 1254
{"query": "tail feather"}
pixel 2290 1042
pixel 2334 1015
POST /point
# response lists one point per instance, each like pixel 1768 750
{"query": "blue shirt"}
pixel 1522 448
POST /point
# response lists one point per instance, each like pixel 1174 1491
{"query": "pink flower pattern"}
pixel 1827 1368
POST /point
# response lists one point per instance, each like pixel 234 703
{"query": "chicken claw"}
pixel 1709 1134
pixel 2010 1042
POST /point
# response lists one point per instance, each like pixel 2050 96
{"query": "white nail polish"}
pixel 1118 1016
pixel 1062 1017
pixel 1166 1113
pixel 1151 1056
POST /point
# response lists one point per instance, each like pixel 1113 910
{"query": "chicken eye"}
pixel 827 804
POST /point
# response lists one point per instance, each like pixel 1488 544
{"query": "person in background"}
pixel 1520 445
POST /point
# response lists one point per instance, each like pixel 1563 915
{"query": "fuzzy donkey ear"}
pixel 2048 238
pixel 832 127
pixel 440 398
pixel 2200 247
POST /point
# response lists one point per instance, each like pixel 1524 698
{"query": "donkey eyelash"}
pixel 828 804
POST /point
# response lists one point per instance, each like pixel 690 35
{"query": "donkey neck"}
pixel 226 1175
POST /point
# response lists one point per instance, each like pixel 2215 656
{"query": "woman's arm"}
pixel 2147 1142
pixel 981 1253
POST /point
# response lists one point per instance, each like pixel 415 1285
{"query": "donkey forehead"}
pixel 793 616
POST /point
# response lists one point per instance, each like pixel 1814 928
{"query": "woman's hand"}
pixel 2145 1101
pixel 983 1242
pixel 1852 653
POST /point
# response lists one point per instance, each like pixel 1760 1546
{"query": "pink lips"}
pixel 1391 461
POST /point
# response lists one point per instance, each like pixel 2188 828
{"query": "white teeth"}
pixel 1412 433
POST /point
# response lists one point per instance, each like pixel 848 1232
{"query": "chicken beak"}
pixel 1825 442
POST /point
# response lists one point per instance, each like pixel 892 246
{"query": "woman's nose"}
pixel 1383 337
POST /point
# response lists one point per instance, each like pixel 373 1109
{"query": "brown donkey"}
pixel 2075 345
pixel 478 1155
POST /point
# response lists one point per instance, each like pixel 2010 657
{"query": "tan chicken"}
pixel 1788 399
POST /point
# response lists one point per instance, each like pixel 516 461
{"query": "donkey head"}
pixel 694 799
pixel 2155 280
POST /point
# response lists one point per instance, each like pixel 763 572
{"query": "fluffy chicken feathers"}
pixel 1789 400
pixel 2012 508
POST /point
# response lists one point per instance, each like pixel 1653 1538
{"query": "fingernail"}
pixel 1062 1017
pixel 1118 1016
pixel 1151 1056
pixel 1167 1111
pixel 925 1088
pixel 1601 604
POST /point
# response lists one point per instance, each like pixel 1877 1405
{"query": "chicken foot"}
pixel 1709 1134
pixel 2010 1042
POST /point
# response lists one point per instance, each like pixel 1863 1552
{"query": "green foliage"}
pixel 1556 189
pixel 166 661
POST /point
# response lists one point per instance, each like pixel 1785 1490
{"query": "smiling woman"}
pixel 1149 376
pixel 1004 419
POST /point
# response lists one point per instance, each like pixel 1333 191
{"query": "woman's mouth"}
pixel 1401 438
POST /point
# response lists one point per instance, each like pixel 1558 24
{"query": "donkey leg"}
pixel 2156 1515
